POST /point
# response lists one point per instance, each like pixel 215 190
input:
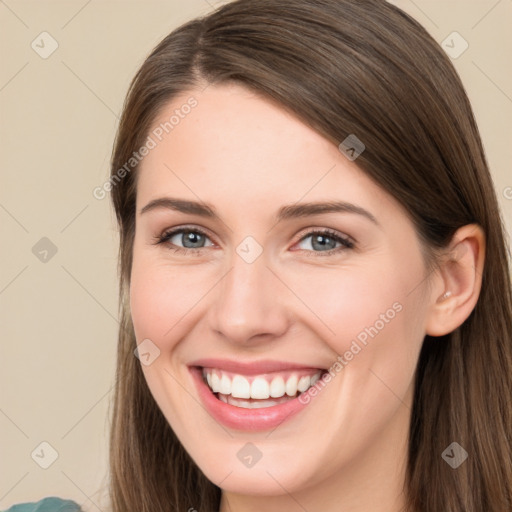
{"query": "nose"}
pixel 248 307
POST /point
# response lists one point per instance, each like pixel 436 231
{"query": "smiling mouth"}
pixel 259 391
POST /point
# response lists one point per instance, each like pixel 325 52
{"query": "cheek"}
pixel 161 301
pixel 161 298
pixel 347 301
pixel 148 303
pixel 370 316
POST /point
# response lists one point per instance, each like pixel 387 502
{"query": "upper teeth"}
pixel 259 386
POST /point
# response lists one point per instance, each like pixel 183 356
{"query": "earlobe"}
pixel 459 281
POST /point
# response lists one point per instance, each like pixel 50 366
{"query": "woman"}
pixel 313 274
pixel 268 103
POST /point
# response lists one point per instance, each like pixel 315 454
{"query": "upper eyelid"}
pixel 174 231
pixel 309 231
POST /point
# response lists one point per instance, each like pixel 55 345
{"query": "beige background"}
pixel 58 119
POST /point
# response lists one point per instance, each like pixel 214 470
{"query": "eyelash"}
pixel 164 238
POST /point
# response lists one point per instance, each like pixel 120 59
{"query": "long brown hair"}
pixel 343 67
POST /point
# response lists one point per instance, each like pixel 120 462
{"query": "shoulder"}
pixel 51 504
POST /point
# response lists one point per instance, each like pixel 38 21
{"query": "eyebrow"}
pixel 285 212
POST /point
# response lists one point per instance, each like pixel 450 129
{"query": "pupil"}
pixel 191 236
pixel 324 238
pixel 321 241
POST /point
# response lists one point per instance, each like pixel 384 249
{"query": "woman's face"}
pixel 262 302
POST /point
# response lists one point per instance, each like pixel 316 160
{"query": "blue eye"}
pixel 321 239
pixel 193 236
pixel 328 239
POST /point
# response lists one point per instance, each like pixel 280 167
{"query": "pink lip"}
pixel 253 368
pixel 237 417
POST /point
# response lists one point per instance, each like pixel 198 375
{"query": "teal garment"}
pixel 51 504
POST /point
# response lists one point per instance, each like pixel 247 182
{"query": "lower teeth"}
pixel 252 404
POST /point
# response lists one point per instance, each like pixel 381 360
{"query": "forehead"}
pixel 229 142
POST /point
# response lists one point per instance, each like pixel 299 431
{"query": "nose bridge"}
pixel 246 303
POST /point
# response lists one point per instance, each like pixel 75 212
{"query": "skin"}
pixel 247 157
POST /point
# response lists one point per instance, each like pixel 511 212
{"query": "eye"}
pixel 325 240
pixel 193 236
pixel 193 240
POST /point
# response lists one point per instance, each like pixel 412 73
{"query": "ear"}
pixel 455 292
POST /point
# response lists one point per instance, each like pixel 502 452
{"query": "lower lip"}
pixel 240 418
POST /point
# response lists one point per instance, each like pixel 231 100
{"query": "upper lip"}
pixel 251 367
